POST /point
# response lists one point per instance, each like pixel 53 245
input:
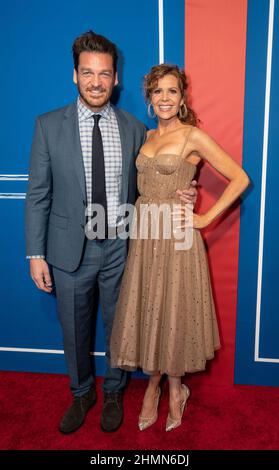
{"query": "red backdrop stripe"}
pixel 215 47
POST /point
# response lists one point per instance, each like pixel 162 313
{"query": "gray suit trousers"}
pixel 101 267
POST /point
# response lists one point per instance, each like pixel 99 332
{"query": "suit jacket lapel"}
pixel 72 143
pixel 73 146
pixel 127 151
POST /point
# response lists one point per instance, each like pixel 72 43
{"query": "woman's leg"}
pixel 150 397
pixel 179 395
pixel 175 397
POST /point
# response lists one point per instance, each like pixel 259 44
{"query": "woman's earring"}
pixel 183 111
pixel 152 116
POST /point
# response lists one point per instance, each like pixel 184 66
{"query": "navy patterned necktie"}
pixel 98 171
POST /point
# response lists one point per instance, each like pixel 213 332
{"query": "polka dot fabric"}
pixel 165 318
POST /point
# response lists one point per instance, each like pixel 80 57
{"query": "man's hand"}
pixel 39 272
pixel 189 195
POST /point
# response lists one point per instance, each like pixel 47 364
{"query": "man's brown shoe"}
pixel 75 415
pixel 112 413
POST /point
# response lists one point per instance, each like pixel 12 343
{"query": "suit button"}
pixel 82 226
pixel 83 202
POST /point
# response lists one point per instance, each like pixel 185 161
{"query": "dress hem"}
pixel 132 367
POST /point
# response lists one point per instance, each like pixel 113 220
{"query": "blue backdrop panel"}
pixel 38 62
pixel 37 77
pixel 269 328
pixel 174 32
pixel 264 368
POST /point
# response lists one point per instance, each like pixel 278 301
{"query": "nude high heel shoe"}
pixel 145 423
pixel 174 423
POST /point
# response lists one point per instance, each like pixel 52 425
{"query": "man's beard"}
pixel 101 102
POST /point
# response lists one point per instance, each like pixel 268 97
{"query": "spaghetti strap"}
pixel 185 143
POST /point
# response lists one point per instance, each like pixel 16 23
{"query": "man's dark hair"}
pixel 92 42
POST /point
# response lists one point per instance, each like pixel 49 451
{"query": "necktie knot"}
pixel 96 118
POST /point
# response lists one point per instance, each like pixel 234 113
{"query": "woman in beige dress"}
pixel 165 320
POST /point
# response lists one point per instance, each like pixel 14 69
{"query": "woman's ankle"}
pixel 175 394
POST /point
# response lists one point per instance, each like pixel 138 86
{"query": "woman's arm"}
pixel 210 151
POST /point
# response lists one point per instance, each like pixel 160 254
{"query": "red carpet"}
pixel 221 417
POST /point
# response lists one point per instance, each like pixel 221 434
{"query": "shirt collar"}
pixel 85 113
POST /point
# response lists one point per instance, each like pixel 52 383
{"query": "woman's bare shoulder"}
pixel 197 133
pixel 150 132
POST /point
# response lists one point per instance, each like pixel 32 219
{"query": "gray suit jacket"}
pixel 56 196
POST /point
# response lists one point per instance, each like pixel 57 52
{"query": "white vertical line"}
pixel 264 166
pixel 161 30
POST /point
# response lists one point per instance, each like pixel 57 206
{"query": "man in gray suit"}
pixel 63 181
